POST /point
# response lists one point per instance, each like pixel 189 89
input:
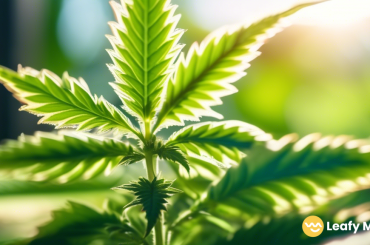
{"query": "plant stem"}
pixel 159 231
pixel 147 131
pixel 150 165
pixel 152 170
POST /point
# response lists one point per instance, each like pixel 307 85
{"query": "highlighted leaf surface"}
pixel 145 46
pixel 63 157
pixel 219 140
pixel 290 175
pixel 78 224
pixel 65 102
pixel 206 73
pixel 288 229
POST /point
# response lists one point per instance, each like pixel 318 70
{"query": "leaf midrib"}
pixel 223 142
pixel 298 173
pixel 145 58
pixel 190 86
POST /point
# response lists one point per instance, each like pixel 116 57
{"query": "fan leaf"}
pixel 203 171
pixel 61 157
pixel 79 224
pixel 65 102
pixel 133 158
pixel 174 154
pixel 145 47
pixel 208 70
pixel 291 155
pixel 299 176
pixel 220 140
pixel 152 196
pixel 207 168
pixel 288 229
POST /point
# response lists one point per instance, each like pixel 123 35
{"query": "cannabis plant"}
pixel 235 184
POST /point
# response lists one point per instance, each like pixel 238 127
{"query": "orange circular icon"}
pixel 313 226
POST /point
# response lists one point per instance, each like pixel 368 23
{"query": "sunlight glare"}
pixel 334 13
pixel 211 14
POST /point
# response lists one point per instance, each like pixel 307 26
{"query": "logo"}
pixel 313 226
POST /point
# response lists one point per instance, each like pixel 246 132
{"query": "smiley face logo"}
pixel 312 226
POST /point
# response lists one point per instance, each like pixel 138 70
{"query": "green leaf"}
pixel 220 140
pixel 17 187
pixel 174 154
pixel 207 168
pixel 132 158
pixel 298 177
pixel 65 102
pixel 203 171
pixel 152 195
pixel 192 187
pixel 137 221
pixel 206 74
pixel 199 230
pixel 131 230
pixel 288 229
pixel 75 225
pixel 145 47
pixel 290 156
pixel 61 157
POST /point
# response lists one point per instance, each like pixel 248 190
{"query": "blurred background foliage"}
pixel 313 77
